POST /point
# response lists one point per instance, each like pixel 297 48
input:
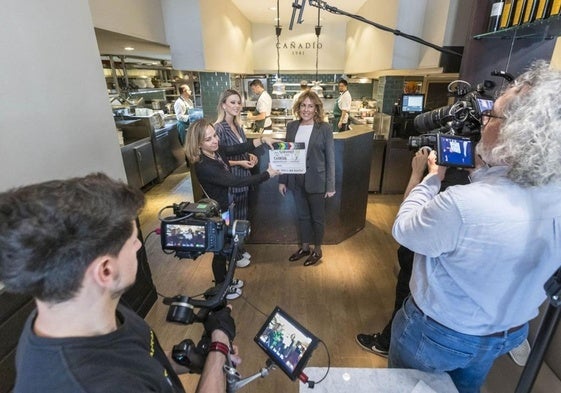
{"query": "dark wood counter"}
pixel 273 217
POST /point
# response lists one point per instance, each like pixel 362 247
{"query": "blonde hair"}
pixel 195 137
pixel 220 110
pixel 318 114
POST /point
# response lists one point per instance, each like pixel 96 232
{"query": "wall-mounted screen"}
pixel 412 103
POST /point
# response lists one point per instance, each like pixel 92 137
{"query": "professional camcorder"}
pixel 199 227
pixel 462 117
pixel 452 130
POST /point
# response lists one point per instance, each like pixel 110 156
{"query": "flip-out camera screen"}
pixel 484 104
pixel 286 342
pixel 182 236
pixel 455 151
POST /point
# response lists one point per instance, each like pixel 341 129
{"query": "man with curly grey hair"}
pixel 484 250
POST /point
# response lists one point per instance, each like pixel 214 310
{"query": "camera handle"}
pixel 234 380
pixel 545 333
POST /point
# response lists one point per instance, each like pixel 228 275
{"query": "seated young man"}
pixel 71 245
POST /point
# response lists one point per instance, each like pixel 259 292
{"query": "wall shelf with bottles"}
pixel 538 30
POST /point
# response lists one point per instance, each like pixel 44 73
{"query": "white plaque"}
pixel 288 157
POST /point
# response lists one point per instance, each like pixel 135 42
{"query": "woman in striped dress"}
pixel 230 131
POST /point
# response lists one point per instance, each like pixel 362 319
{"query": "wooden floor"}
pixel 351 291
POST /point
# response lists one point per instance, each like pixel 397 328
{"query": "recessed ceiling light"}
pixel 129 48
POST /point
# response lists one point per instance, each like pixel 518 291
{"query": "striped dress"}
pixel 239 195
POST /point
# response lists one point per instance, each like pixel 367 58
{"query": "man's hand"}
pixel 420 161
pixel 221 320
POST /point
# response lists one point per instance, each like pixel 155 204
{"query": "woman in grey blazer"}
pixel 318 183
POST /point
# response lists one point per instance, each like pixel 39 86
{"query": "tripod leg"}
pixel 545 333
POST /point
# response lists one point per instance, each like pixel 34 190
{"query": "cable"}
pixel 311 384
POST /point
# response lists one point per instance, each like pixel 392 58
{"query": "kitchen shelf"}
pixel 543 29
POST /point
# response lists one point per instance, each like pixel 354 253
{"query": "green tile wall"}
pixel 212 85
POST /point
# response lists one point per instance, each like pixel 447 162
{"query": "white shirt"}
pixel 303 135
pixel 265 104
pixel 482 251
pixel 181 109
pixel 344 103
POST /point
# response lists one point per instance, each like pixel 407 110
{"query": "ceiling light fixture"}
pixel 278 87
pixel 316 88
pixel 129 48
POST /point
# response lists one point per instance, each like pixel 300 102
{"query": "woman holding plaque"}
pixel 212 168
pixel 311 188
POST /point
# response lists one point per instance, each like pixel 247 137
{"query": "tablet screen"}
pixel 286 342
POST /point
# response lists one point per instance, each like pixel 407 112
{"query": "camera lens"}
pixel 432 120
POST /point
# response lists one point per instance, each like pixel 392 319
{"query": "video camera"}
pixel 199 227
pixel 452 130
pixel 196 228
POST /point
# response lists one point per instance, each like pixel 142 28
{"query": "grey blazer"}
pixel 320 159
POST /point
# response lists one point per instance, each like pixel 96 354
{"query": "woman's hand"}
pixel 272 172
pixel 329 194
pixel 282 189
pixel 265 140
pixel 253 159
pixel 244 164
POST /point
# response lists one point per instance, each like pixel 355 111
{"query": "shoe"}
pixel 312 259
pixel 520 353
pixel 242 262
pixel 233 293
pixel 246 255
pixel 371 343
pixel 298 255
pixel 236 282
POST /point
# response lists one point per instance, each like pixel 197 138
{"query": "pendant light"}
pixel 316 88
pixel 278 87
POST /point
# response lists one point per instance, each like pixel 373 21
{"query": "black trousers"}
pixel 311 213
pixel 405 258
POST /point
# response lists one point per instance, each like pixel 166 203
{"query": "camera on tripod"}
pixel 452 130
pixel 199 227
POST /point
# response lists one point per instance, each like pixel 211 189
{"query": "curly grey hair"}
pixel 530 138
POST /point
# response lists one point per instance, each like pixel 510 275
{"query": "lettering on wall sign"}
pixel 296 48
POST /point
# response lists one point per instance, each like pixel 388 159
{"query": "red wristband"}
pixel 219 347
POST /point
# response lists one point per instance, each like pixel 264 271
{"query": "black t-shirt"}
pixel 129 359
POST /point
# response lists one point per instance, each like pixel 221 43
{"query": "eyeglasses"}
pixel 487 115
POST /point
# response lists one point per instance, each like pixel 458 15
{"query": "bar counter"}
pixel 273 217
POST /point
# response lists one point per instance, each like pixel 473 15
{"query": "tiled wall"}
pixel 357 90
pixel 212 85
pixel 389 91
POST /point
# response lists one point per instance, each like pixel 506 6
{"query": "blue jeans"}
pixel 421 343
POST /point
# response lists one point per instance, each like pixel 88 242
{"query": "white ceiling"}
pixel 264 11
pixel 256 11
